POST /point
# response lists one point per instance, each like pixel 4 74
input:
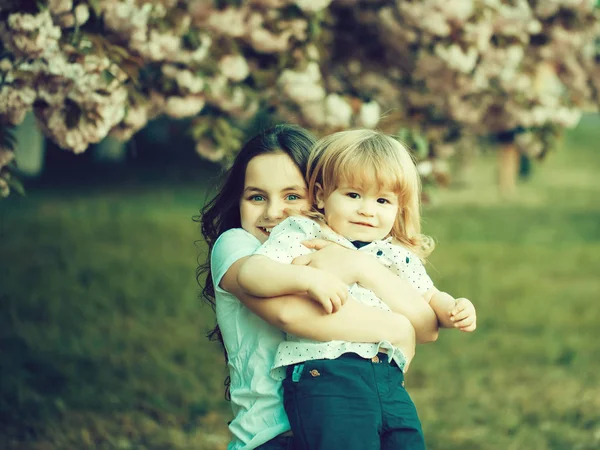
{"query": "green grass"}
pixel 102 332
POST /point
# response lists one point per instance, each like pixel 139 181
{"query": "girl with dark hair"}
pixel 265 185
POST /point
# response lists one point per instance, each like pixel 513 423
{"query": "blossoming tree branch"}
pixel 440 73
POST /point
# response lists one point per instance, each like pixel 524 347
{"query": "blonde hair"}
pixel 368 157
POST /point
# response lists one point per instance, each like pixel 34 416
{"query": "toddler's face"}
pixel 273 188
pixel 360 213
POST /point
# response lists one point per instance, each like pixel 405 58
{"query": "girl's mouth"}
pixel 266 230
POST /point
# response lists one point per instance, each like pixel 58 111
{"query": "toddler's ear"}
pixel 319 196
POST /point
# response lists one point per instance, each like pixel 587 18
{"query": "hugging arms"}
pixel 300 315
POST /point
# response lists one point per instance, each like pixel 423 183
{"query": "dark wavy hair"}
pixel 222 213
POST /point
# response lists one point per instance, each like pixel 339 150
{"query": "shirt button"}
pixel 379 252
pixel 375 359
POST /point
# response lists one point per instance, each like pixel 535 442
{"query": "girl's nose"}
pixel 275 210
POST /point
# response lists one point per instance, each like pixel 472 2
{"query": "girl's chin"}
pixel 262 234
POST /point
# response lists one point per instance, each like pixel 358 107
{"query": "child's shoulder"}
pixel 235 234
pixel 232 245
pixel 395 242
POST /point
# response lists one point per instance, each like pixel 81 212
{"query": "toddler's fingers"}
pixel 336 302
pixel 462 314
pixel 303 260
pixel 469 328
pixel 458 308
pixel 316 244
pixel 327 305
pixel 344 294
pixel 465 323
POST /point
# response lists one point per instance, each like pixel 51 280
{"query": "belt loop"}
pixel 297 373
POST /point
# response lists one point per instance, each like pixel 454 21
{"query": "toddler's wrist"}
pixel 366 269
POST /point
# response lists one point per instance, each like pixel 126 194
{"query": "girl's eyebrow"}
pixel 289 188
pixel 252 188
pixel 295 188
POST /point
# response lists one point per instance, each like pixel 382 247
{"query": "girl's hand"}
pixel 340 261
pixel 464 316
pixel 328 290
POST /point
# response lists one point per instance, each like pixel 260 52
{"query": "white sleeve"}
pixel 285 241
pixel 230 247
pixel 407 266
pixel 415 273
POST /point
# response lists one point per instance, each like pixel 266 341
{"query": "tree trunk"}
pixel 30 148
pixel 508 165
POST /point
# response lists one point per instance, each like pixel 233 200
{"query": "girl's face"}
pixel 359 213
pixel 273 187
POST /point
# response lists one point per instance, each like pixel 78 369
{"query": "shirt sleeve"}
pixel 230 247
pixel 406 265
pixel 285 241
pixel 415 273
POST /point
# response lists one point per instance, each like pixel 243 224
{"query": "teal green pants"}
pixel 351 403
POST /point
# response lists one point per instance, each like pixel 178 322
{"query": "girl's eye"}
pixel 383 201
pixel 353 195
pixel 292 197
pixel 256 198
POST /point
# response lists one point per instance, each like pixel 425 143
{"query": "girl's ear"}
pixel 319 196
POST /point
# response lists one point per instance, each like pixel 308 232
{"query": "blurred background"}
pixel 118 118
pixel 103 335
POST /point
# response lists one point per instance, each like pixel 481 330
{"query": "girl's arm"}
pixel 261 276
pixel 356 267
pixel 299 315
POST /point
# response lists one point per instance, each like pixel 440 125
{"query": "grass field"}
pixel 102 332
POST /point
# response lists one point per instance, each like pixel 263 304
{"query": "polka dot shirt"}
pixel 285 244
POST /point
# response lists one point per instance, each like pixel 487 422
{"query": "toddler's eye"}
pixel 383 201
pixel 256 198
pixel 293 197
pixel 353 195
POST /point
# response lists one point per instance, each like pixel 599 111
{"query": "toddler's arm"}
pixel 452 313
pixel 356 267
pixel 402 298
pixel 260 276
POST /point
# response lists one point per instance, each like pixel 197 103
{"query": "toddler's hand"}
pixel 464 316
pixel 328 290
pixel 332 258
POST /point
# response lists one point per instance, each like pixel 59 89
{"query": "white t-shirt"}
pixel 251 343
pixel 285 244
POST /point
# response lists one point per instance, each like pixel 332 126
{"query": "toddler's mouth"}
pixel 363 224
